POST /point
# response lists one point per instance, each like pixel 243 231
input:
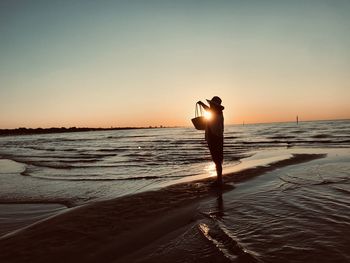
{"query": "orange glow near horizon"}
pixel 179 119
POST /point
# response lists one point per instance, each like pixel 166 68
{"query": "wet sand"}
pixel 17 216
pixel 127 228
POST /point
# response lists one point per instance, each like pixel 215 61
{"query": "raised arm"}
pixel 203 105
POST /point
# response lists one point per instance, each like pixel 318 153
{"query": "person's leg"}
pixel 219 159
pixel 215 145
pixel 219 172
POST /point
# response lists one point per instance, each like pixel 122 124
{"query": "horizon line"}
pixel 166 126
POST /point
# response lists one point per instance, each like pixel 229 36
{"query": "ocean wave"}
pixel 231 137
pixel 226 244
pixel 126 136
pixel 62 164
pixel 186 141
pixel 342 190
pixel 99 178
pixel 112 150
pixel 320 136
pixel 282 137
pixel 39 148
pixel 298 131
pixel 58 155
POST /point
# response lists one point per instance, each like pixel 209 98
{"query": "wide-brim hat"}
pixel 216 102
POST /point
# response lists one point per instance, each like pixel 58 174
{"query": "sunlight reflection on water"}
pixel 210 169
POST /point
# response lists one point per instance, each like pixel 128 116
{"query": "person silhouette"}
pixel 214 133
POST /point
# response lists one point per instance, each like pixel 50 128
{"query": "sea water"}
pixel 79 167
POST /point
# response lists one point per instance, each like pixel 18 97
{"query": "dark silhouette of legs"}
pixel 218 166
pixel 215 145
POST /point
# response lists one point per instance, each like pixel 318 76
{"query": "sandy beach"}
pixel 153 226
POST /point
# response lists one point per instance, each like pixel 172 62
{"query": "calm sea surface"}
pixel 89 165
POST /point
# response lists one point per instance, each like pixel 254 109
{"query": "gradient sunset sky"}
pixel 141 63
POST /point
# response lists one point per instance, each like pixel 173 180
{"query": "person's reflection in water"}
pixel 219 212
pixel 220 204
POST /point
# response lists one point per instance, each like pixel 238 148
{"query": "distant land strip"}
pixel 29 131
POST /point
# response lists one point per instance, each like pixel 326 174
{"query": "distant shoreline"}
pixel 32 131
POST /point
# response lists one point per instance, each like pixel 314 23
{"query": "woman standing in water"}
pixel 214 133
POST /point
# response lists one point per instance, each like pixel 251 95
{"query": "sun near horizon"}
pixel 140 64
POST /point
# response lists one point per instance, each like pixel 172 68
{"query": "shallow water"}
pixel 74 168
pixel 298 213
pixel 16 216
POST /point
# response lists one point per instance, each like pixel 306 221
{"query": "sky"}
pixel 146 63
